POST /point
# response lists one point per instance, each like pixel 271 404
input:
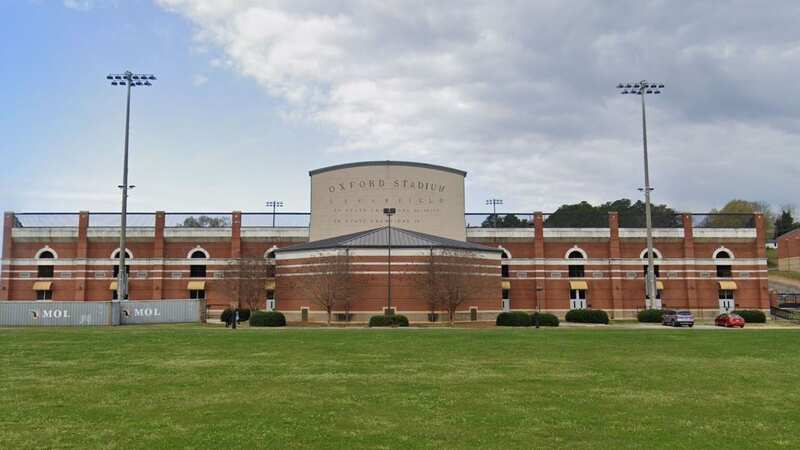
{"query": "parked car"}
pixel 729 320
pixel 677 318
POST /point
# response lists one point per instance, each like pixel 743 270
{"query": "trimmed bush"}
pixel 752 315
pixel 244 315
pixel 226 314
pixel 587 316
pixel 395 320
pixel 545 319
pixel 513 319
pixel 267 319
pixel 651 315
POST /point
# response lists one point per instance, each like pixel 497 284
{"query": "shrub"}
pixel 267 319
pixel 587 316
pixel 244 315
pixel 752 315
pixel 513 319
pixel 545 319
pixel 226 314
pixel 650 315
pixel 395 320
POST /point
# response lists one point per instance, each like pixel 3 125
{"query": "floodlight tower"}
pixel 274 204
pixel 642 89
pixel 130 80
pixel 493 202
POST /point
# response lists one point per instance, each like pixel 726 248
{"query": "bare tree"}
pixel 452 277
pixel 246 279
pixel 331 285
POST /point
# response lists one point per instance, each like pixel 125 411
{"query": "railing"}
pixel 723 220
pixel 659 220
pixel 134 220
pixel 500 220
pixel 197 220
pixel 789 300
pixel 785 314
pixel 279 219
pixel 575 220
pixel 46 220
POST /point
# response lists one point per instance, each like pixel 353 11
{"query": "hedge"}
pixel 395 320
pixel 267 319
pixel 513 319
pixel 752 315
pixel 244 314
pixel 587 316
pixel 651 315
pixel 545 319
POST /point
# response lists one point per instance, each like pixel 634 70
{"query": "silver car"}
pixel 678 318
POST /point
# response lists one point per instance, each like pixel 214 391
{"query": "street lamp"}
pixel 389 213
pixel 130 80
pixel 493 202
pixel 643 88
pixel 274 204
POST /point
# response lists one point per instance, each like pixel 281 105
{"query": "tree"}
pixel 505 221
pixel 205 222
pixel 246 278
pixel 450 278
pixel 738 213
pixel 331 286
pixel 631 215
pixel 785 222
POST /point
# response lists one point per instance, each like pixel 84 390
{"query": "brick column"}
pixel 82 255
pixel 236 234
pixel 158 254
pixel 614 273
pixel 5 275
pixel 688 254
pixel 761 253
pixel 538 254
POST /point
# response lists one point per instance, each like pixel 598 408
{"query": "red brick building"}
pixel 789 251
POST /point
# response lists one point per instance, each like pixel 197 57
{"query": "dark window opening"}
pixel 271 271
pixel 197 254
pixel 505 294
pixel 127 255
pixel 47 254
pixel 270 294
pixel 197 294
pixel 116 270
pixel 724 272
pixel 723 255
pixel 576 271
pixel 197 271
pixel 577 294
pixel 44 295
pixel 725 294
pixel 504 271
pixel 575 255
pixel 656 271
pixel 45 272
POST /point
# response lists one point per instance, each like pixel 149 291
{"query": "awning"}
pixel 269 284
pixel 581 285
pixel 727 285
pixel 196 286
pixel 505 284
pixel 660 285
pixel 42 285
pixel 112 286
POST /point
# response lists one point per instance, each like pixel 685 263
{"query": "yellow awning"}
pixel 269 284
pixel 42 285
pixel 727 285
pixel 196 285
pixel 505 284
pixel 582 285
pixel 660 285
pixel 112 286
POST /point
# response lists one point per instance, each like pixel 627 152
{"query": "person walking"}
pixel 235 317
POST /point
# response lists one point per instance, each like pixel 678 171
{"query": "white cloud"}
pixel 521 94
pixel 80 5
pixel 199 79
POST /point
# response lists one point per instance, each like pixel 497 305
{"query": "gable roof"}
pixel 379 238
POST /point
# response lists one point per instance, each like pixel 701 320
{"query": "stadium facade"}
pixel 536 266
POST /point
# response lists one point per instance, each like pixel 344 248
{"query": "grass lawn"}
pixel 193 386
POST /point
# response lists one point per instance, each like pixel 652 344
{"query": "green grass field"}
pixel 208 387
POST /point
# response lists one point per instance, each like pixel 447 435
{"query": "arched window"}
pixel 197 264
pixel 723 270
pixel 269 255
pixel 576 259
pixel 115 257
pixel 128 254
pixel 45 268
pixel 656 257
pixel 504 263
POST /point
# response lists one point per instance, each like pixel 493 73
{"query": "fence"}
pixel 499 220
pixel 72 314
pixel 279 219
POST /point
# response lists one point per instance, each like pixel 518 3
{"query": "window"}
pixel 722 254
pixel 45 272
pixel 577 272
pixel 116 270
pixel 577 294
pixel 655 270
pixel 505 294
pixel 503 267
pixel 127 254
pixel 724 271
pixel 197 294
pixel 725 294
pixel 47 254
pixel 270 294
pixel 197 271
pixel 115 295
pixel 44 295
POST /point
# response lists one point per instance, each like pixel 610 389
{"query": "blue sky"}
pixel 252 94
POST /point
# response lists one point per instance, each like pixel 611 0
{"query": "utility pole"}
pixel 389 213
pixel 130 80
pixel 274 204
pixel 643 88
pixel 493 202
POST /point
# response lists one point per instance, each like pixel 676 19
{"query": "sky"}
pixel 251 95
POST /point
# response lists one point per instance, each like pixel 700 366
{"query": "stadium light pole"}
pixel 389 213
pixel 493 202
pixel 128 79
pixel 642 89
pixel 274 204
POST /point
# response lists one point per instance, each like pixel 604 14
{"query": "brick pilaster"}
pixel 614 271
pixel 158 254
pixel 82 255
pixel 236 234
pixel 688 255
pixel 761 253
pixel 5 275
pixel 538 254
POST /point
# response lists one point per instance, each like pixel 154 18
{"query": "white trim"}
pixel 198 248
pixel 128 254
pixel 643 254
pixel 46 248
pixel 579 250
pixel 722 248
pixel 307 254
pixel 266 253
pixel 505 252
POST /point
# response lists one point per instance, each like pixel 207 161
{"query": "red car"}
pixel 729 320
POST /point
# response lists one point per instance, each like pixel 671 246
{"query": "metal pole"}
pixel 273 214
pixel 494 212
pixel 122 276
pixel 389 272
pixel 650 282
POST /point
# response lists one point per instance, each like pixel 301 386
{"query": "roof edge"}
pixel 386 163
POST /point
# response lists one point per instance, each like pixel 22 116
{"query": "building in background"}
pixel 789 251
pixel 534 266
